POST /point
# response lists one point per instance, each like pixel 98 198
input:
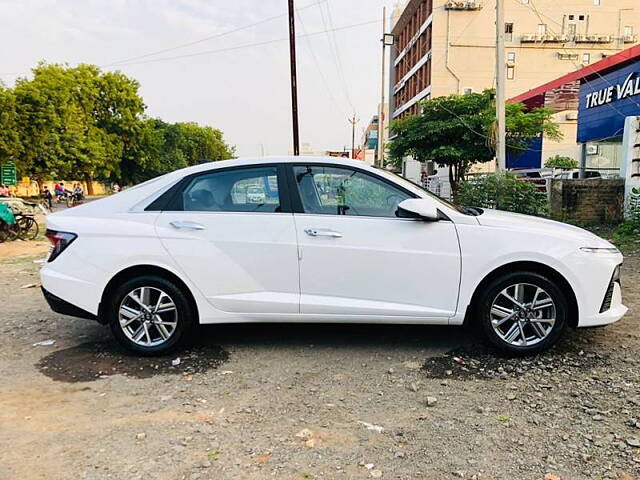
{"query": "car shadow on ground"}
pixel 102 356
pixel 456 352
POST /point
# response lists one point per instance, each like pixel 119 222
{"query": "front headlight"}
pixel 600 249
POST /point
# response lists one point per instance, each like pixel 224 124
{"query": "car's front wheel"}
pixel 150 315
pixel 523 313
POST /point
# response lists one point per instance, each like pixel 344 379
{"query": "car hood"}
pixel 517 221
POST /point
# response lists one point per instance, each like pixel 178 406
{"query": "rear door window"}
pixel 234 190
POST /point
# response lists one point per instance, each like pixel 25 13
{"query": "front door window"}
pixel 343 191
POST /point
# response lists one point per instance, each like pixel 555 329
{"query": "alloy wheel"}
pixel 148 316
pixel 523 314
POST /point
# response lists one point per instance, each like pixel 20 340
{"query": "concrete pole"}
pixel 381 119
pixel 501 141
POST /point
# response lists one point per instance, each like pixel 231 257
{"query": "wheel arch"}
pixel 526 266
pixel 139 270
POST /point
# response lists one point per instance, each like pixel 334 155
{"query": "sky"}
pixel 243 91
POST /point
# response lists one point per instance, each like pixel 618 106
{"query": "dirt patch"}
pixel 20 248
pixel 93 360
pixel 485 362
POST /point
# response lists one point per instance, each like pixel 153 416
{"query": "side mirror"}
pixel 418 208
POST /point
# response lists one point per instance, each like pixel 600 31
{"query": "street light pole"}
pixel 501 140
pixel 294 80
pixel 353 122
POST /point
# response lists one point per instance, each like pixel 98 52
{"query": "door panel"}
pixel 378 266
pixel 241 262
pixel 230 233
pixel 358 258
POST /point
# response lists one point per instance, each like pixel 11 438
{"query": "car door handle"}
pixel 187 225
pixel 322 232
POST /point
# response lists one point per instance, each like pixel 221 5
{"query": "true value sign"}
pixel 606 100
pixel 629 88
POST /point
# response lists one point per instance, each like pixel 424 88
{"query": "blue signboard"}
pixel 606 100
pixel 530 158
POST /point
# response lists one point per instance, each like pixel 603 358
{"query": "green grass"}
pixel 627 236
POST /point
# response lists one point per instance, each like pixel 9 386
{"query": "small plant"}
pixel 558 161
pixel 502 191
pixel 213 454
pixel 627 235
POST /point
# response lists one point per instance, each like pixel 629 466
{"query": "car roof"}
pixel 246 161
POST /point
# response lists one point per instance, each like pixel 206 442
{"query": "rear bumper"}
pixel 59 305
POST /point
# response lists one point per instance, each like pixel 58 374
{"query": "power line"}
pixel 206 39
pixel 317 64
pixel 334 49
pixel 226 49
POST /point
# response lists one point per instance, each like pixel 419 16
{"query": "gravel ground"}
pixel 311 401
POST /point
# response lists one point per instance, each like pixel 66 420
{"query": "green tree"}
pixel 164 147
pixel 558 161
pixel 81 122
pixel 10 146
pixel 458 131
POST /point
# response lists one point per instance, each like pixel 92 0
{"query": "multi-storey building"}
pixel 448 46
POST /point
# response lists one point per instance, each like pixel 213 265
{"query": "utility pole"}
pixel 380 159
pixel 353 122
pixel 294 80
pixel 501 140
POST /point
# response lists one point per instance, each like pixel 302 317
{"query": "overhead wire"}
pixel 206 39
pixel 336 51
pixel 317 63
pixel 226 49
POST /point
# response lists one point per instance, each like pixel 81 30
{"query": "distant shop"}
pixel 591 106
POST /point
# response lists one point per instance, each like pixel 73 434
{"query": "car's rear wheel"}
pixel 150 315
pixel 523 313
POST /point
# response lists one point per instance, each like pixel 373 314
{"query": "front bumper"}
pixel 59 305
pixel 614 313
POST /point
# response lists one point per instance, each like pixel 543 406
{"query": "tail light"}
pixel 59 241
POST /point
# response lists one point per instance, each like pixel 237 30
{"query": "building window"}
pixel 542 29
pixel 581 18
pixel 511 72
pixel 628 30
pixel 586 58
pixel 511 57
pixel 468 90
pixel 508 32
pixel 572 29
pixel 572 17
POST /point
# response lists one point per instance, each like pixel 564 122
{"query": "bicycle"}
pixel 27 226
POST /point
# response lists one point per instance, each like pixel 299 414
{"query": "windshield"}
pixel 418 190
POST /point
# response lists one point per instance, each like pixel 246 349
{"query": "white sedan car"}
pixel 331 241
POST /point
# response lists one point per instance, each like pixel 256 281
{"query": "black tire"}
pixel 28 228
pixel 186 317
pixel 532 279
